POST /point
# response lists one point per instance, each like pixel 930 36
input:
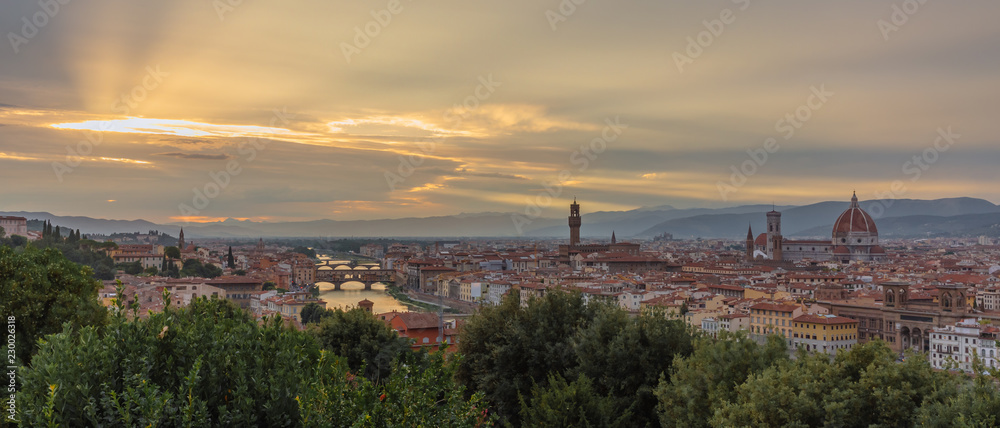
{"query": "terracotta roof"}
pixel 821 319
pixel 854 220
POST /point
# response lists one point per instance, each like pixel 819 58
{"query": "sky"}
pixel 193 111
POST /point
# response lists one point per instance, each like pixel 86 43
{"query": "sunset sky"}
pixel 491 100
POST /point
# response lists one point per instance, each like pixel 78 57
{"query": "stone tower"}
pixel 574 223
pixel 749 243
pixel 774 235
pixel 180 240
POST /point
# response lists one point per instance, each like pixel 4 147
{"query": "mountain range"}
pixel 894 218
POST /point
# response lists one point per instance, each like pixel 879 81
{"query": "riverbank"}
pixel 425 305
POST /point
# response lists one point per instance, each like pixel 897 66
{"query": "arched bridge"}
pixel 338 273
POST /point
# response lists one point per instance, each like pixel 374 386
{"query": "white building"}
pixel 14 225
pixel 495 292
pixel 955 345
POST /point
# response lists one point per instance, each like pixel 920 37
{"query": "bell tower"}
pixel 895 294
pixel 774 235
pixel 749 243
pixel 574 223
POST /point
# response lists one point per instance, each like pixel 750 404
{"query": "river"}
pixel 353 292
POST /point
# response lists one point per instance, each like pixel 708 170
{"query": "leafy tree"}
pixel 862 387
pixel 43 290
pixel 269 285
pixel 364 340
pixel 625 356
pixel 415 395
pixel 151 270
pixel 575 404
pixel 313 313
pixel 240 272
pixel 512 350
pixel 3 233
pixel 309 252
pixel 172 253
pixel 211 364
pixel 703 381
pixel 131 268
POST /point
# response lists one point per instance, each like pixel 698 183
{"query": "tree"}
pixel 172 253
pixel 230 261
pixel 625 356
pixel 151 271
pixel 57 235
pixel 862 387
pixel 313 313
pixel 3 233
pixel 702 382
pixel 511 352
pixel 575 404
pixel 131 268
pixel 365 341
pixel 42 291
pixel 211 364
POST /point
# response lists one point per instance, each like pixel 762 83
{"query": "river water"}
pixel 353 292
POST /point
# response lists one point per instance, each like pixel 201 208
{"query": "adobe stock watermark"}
pixel 582 159
pixel 10 404
pixel 32 26
pixel 562 12
pixel 913 168
pixel 224 7
pixel 381 18
pixel 127 101
pixel 713 30
pixel 220 180
pixel 455 116
pixel 900 15
pixel 786 126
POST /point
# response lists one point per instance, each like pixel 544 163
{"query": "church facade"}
pixel 854 238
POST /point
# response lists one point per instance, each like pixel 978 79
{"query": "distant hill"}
pixel 816 220
pixel 902 217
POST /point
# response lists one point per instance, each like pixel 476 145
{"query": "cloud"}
pixel 464 171
pixel 195 156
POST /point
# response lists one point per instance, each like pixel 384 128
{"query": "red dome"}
pixel 841 250
pixel 854 220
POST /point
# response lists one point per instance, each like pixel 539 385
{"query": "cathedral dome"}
pixel 854 222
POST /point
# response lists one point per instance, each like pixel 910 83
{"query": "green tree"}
pixel 860 388
pixel 575 404
pixel 625 356
pixel 172 253
pixel 703 381
pixel 312 313
pixel 364 340
pixel 211 364
pixel 230 260
pixel 131 268
pixel 42 291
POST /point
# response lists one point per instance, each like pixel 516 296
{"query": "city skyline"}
pixel 385 109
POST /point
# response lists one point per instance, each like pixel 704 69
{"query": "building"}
pixel 423 329
pixel 854 238
pixel 569 251
pixel 239 289
pixel 771 318
pixel 824 333
pixel 956 345
pixel 14 225
pixel 375 251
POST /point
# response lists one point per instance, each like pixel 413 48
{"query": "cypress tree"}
pixel 229 259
